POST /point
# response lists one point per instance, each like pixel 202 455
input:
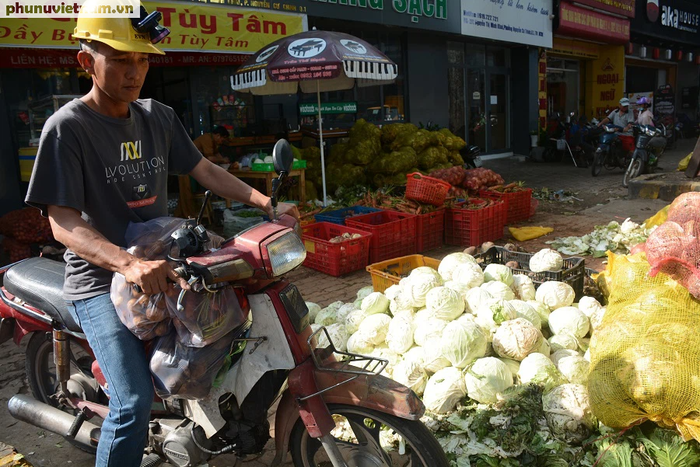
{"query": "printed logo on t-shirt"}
pixel 141 195
pixel 130 150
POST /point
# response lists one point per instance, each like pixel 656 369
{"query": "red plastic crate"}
pixel 627 142
pixel 518 203
pixel 393 233
pixel 339 258
pixel 427 190
pixel 472 227
pixel 430 230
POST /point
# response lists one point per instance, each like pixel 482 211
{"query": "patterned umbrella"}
pixel 314 61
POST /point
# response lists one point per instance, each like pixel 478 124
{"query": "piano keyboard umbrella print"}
pixel 315 62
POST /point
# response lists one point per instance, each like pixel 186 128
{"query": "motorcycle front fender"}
pixel 377 393
pixel 640 154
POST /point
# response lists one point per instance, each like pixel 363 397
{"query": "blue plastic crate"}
pixel 338 216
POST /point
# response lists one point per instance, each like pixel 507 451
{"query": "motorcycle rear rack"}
pixel 353 364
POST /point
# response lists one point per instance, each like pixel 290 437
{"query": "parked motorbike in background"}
pixel 650 143
pixel 613 151
pixel 332 407
pixel 471 155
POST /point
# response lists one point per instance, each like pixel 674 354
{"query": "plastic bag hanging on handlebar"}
pixel 207 317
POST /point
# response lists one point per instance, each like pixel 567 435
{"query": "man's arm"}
pixel 71 230
pixel 604 121
pixel 227 186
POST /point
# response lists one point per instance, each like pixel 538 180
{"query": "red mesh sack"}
pixel 16 250
pixel 26 225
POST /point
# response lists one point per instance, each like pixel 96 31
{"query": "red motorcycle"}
pixel 332 407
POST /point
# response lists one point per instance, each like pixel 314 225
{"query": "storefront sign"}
pixel 587 24
pixel 607 84
pixel 430 9
pixel 619 7
pixel 57 58
pixel 665 104
pixel 521 21
pixel 668 20
pixel 328 108
pixel 205 28
pixel 574 48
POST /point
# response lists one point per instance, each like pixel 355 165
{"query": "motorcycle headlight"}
pixel 285 253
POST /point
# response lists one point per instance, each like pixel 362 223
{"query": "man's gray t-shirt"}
pixel 620 119
pixel 114 171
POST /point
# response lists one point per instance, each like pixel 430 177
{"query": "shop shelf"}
pixel 573 272
pixel 263 167
pixel 387 273
pixel 299 165
pixel 472 227
pixel 393 233
pixel 335 259
pixel 518 203
pixel 338 216
pixel 430 230
pixel 425 189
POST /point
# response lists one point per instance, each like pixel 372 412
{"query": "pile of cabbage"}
pixel 463 337
pixel 615 237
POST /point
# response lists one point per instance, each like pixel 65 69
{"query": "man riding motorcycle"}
pixel 620 117
pixel 103 161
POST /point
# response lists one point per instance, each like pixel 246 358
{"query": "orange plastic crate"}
pixel 393 233
pixel 387 273
pixel 339 258
pixel 518 203
pixel 472 227
pixel 427 190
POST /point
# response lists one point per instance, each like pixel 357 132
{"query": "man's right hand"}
pixel 152 276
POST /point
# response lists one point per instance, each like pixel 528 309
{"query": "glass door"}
pixel 476 97
pixel 497 112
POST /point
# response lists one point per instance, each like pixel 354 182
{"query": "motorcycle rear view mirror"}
pixel 282 156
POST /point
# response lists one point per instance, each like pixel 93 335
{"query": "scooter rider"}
pixel 621 116
pixel 103 161
pixel 645 117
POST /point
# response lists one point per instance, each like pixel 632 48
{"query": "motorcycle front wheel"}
pixel 635 169
pixel 597 165
pixel 369 438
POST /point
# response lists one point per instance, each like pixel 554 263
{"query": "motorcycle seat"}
pixel 39 282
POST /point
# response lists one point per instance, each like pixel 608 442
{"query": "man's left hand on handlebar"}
pixel 283 208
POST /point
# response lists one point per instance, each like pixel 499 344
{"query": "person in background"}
pixel 645 117
pixel 209 144
pixel 621 116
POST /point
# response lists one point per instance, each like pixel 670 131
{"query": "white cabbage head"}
pixel 545 349
pixel 342 314
pixel 574 368
pixel 589 305
pixel 406 313
pixel 444 303
pixel 374 303
pixel 458 287
pixel 352 322
pixel 416 353
pixel 391 292
pixel 539 369
pixel 546 260
pixel 524 287
pixel 567 409
pixel 525 310
pixel 417 285
pixel 499 290
pixel 375 327
pixel 486 379
pixel 450 262
pixel 513 366
pixel 541 309
pixel 444 390
pixel 498 272
pixel 469 274
pixel 569 320
pixel 561 353
pixel 358 344
pixel 432 327
pixel 596 318
pixel 410 373
pixel 462 343
pixel 516 339
pixel 326 316
pixel 433 361
pixel 399 337
pixel 555 294
pixel 475 298
pixel 563 341
pixel 384 352
pixel 364 291
pixel 314 309
pixel 339 337
pixel 501 310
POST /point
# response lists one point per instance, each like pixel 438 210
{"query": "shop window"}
pixel 497 56
pixel 475 56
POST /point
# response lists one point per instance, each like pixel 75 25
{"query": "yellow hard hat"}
pixel 118 33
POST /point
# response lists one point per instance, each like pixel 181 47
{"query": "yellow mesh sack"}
pixel 645 356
